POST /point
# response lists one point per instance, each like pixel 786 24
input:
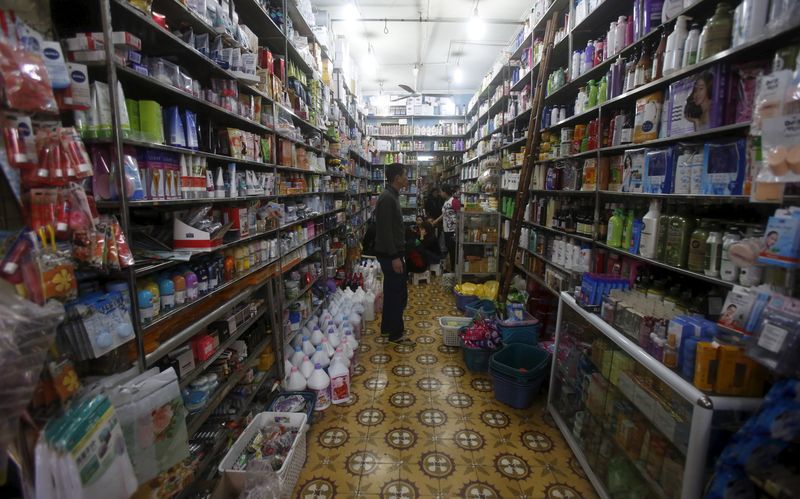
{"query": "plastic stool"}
pixel 421 276
pixel 435 269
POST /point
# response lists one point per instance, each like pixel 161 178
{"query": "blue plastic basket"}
pixel 485 308
pixel 462 301
pixel 311 400
pixel 528 335
pixel 521 362
pixel 513 393
pixel 477 359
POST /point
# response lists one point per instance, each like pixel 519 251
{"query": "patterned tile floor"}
pixel 421 425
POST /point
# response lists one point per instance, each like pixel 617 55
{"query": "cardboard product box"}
pixel 697 102
pixel 96 41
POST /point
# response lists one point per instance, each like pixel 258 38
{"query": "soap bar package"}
pixel 633 170
pixel 688 168
pixel 658 171
pixel 741 93
pixel 723 168
pixel 696 102
pixel 647 118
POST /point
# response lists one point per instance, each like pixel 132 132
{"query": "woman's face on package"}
pixel 700 94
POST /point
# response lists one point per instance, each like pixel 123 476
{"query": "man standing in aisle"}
pixel 390 245
pixel 449 219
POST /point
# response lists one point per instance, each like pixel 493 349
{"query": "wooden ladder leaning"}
pixel 531 153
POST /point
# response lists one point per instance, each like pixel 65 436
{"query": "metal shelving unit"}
pixel 476 229
pixel 584 395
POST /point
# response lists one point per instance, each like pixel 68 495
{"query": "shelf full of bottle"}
pixel 443 145
pixel 447 129
pixel 692 240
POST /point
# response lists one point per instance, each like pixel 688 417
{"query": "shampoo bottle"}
pixel 627 231
pixel 717 32
pixel 615 227
pixel 713 253
pixel 647 246
pixel 728 270
pixel 697 248
pixel 679 36
pixel 690 47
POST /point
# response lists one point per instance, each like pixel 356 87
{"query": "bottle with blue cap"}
pixel 145 299
pixel 166 288
pixel 297 357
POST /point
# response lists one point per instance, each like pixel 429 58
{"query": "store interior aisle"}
pixel 421 425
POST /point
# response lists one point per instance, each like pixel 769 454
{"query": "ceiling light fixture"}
pixel 458 75
pixel 351 11
pixel 476 27
pixel 415 70
pixel 370 63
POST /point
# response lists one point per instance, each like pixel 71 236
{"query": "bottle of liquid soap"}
pixel 340 381
pixel 647 246
pixel 615 228
pixel 713 253
pixel 690 47
pixel 717 32
pixel 320 384
pixel 679 35
pixel 697 248
pixel 627 231
pixel 678 233
pixel 728 270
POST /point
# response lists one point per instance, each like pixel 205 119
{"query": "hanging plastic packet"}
pixel 20 140
pixel 74 153
pixel 26 83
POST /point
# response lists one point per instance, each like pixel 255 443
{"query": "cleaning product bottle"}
pixel 297 357
pixel 327 348
pixel 320 384
pixel 306 367
pixel 713 253
pixel 728 270
pixel 647 245
pixel 321 358
pixel 663 227
pixel 296 382
pixel 333 336
pixel 340 381
pixel 690 47
pixel 145 306
pixel 615 227
pixel 678 233
pixel 627 231
pixel 697 248
pixel 674 56
pixel 308 348
pixel 717 32
pixel 317 337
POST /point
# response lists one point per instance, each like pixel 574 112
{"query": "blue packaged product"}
pixel 658 171
pixel 190 127
pixel 723 168
pixel 173 126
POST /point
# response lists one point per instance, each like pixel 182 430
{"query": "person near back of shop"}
pixel 390 246
pixel 449 219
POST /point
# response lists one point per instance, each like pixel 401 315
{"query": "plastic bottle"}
pixel 317 337
pixel 350 340
pixel 713 253
pixel 145 299
pixel 602 90
pixel 717 32
pixel 691 45
pixel 295 382
pixel 321 357
pixel 728 270
pixel 697 248
pixel 627 230
pixel 615 226
pixel 166 292
pixel 308 348
pixel 192 291
pixel 592 95
pixel 658 56
pixel 673 56
pixel 320 384
pixel 622 28
pixel 297 357
pixel 577 64
pixel 202 280
pixel 340 381
pixel 611 39
pixel 333 336
pixel 179 285
pixel 306 367
pixel 678 232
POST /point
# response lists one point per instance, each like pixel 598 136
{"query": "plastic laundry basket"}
pixel 477 359
pixel 524 331
pixel 485 308
pixel 450 327
pixel 521 362
pixel 295 459
pixel 514 393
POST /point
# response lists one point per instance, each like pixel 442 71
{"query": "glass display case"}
pixel 638 429
pixel 478 245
